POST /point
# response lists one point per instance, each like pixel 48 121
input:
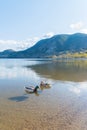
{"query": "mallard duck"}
pixel 46 85
pixel 31 89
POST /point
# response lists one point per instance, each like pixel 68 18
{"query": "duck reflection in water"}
pixel 37 93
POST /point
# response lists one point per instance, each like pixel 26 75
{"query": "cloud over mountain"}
pixel 48 35
pixel 84 30
pixel 17 45
pixel 23 44
pixel 78 25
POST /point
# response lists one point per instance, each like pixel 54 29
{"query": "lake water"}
pixel 63 106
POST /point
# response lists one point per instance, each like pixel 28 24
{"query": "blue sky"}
pixel 24 22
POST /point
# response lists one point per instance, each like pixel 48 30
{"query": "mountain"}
pixel 6 53
pixel 56 45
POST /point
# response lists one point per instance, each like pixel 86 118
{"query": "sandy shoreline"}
pixel 43 114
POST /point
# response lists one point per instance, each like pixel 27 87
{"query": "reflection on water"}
pixel 61 106
pixel 15 74
pixel 60 70
pixel 78 88
pixel 68 70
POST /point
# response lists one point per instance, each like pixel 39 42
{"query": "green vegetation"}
pixel 73 55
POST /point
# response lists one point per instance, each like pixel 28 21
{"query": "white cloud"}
pixel 21 45
pixel 84 30
pixel 17 45
pixel 77 26
pixel 48 35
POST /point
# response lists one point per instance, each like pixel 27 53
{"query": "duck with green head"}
pixel 31 89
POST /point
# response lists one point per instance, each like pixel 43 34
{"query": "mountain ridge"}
pixel 56 45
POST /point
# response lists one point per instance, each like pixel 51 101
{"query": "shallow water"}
pixel 61 107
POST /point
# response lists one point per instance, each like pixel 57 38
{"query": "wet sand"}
pixel 53 109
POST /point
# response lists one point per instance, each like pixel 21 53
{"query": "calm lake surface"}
pixel 63 106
